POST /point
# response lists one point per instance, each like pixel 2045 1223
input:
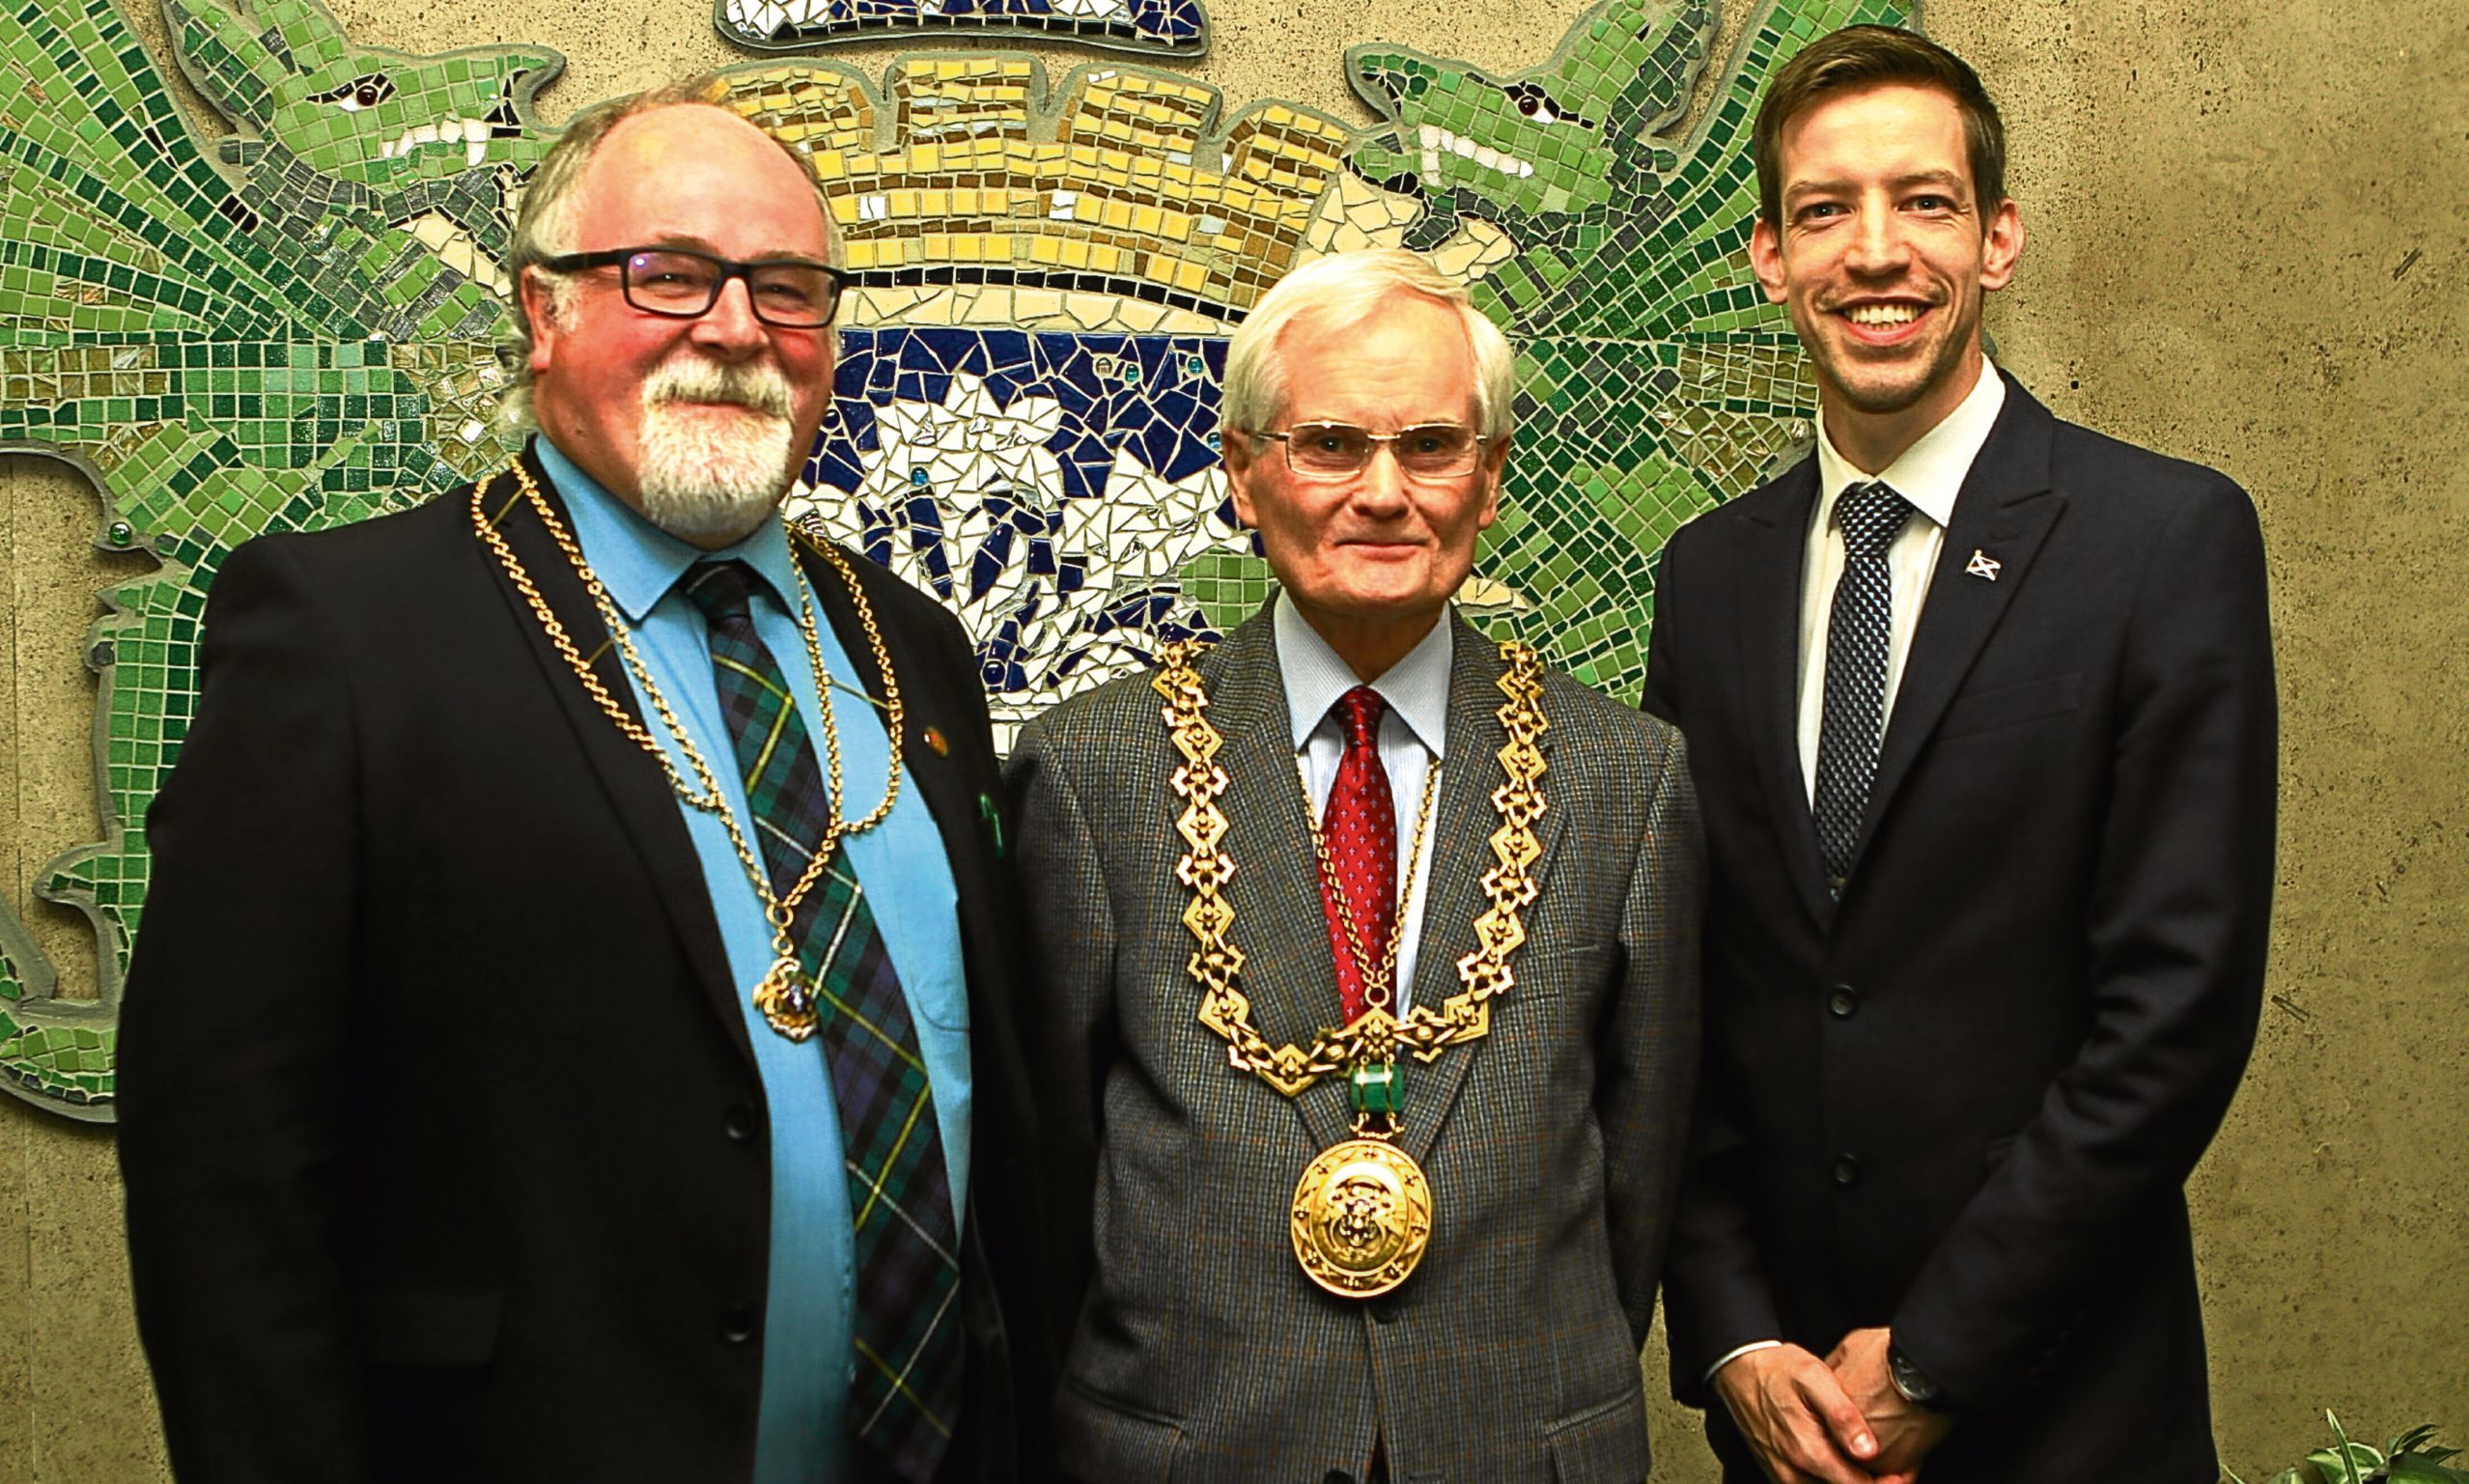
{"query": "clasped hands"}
pixel 1839 1420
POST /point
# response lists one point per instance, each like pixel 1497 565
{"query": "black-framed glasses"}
pixel 680 284
pixel 1339 450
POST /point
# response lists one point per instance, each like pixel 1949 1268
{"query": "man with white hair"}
pixel 1365 967
pixel 549 1053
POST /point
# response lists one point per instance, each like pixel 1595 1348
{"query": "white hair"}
pixel 1338 292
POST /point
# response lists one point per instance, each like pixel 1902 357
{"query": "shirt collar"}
pixel 636 561
pixel 1415 687
pixel 1931 473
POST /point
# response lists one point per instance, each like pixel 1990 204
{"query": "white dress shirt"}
pixel 1929 474
pixel 1413 740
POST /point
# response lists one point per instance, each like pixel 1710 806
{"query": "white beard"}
pixel 709 479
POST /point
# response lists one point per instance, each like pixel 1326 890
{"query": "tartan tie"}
pixel 905 1391
pixel 1858 631
pixel 1360 827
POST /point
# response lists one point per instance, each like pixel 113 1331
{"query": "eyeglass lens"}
pixel 793 295
pixel 1430 449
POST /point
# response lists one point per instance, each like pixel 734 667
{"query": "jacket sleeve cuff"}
pixel 1734 1353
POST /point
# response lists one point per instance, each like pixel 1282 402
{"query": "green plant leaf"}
pixel 2361 1467
pixel 2349 1463
pixel 2409 1441
pixel 2420 1468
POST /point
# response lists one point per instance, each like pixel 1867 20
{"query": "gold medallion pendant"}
pixel 786 998
pixel 1363 1215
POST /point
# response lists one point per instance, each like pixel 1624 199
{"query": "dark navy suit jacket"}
pixel 1963 1099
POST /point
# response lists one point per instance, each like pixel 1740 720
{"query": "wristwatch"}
pixel 1916 1387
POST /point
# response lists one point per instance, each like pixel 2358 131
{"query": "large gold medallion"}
pixel 1363 1215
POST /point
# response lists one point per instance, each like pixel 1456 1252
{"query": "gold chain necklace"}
pixel 1361 1214
pixel 786 994
pixel 1376 975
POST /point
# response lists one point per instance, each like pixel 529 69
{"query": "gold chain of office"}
pixel 786 994
pixel 1361 1215
pixel 1374 1036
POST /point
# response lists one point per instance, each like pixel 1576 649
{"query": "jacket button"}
pixel 737 1325
pixel 739 1121
pixel 1385 1309
pixel 1843 1002
pixel 1337 1477
pixel 1847 1171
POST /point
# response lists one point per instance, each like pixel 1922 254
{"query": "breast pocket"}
pixel 2010 706
pixel 1568 969
pixel 1545 1028
pixel 940 999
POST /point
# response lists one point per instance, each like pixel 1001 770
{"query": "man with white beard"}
pixel 548 1052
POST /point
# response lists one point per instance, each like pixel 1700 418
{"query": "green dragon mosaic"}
pixel 295 327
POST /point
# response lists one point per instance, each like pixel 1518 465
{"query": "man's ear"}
pixel 540 310
pixel 1235 450
pixel 2001 246
pixel 1495 459
pixel 1766 259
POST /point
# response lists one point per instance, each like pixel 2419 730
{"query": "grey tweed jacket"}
pixel 1201 1353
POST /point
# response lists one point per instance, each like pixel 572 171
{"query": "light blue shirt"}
pixel 804 1432
pixel 1413 740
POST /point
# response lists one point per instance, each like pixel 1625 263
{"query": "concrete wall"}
pixel 2248 246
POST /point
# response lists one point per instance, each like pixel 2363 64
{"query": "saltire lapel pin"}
pixel 1983 565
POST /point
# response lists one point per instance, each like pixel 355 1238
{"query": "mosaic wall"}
pixel 294 326
pixel 1164 27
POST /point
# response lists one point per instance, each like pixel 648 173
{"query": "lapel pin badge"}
pixel 934 739
pixel 1983 565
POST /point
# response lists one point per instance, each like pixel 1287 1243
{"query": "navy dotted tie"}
pixel 1857 635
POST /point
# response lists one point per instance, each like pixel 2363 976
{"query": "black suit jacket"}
pixel 1963 1101
pixel 443 1141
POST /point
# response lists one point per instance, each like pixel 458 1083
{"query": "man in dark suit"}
pixel 1366 969
pixel 1981 714
pixel 571 1034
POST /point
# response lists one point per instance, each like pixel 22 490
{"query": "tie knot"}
pixel 1358 712
pixel 721 591
pixel 1872 516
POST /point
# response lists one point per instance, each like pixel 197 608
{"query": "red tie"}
pixel 1359 827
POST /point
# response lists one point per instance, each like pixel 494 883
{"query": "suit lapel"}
pixel 926 697
pixel 1281 923
pixel 1777 534
pixel 635 787
pixel 2005 508
pixel 1463 823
